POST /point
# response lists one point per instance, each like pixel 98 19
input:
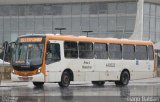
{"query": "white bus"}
pixel 50 58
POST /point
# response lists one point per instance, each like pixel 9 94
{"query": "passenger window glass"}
pixel 128 52
pixel 100 51
pixel 141 52
pixel 85 50
pixel 70 50
pixel 150 53
pixel 53 53
pixel 115 51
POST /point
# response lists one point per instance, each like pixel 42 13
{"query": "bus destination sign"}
pixel 38 39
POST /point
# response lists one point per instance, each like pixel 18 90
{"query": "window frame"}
pixel 71 50
pixel 133 57
pixel 50 52
pixel 82 52
pixel 109 53
pixel 140 53
pixel 101 51
pixel 149 53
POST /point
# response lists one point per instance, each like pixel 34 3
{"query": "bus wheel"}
pixel 124 80
pixel 38 84
pixel 118 83
pixel 65 80
pixel 98 83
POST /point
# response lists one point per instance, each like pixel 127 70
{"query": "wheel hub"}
pixel 66 79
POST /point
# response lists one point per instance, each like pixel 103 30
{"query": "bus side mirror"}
pixel 11 46
pixel 5 47
pixel 7 51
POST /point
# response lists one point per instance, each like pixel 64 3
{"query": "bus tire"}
pixel 124 80
pixel 98 83
pixel 65 80
pixel 118 83
pixel 38 84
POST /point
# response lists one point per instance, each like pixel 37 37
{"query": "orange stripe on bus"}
pixel 98 40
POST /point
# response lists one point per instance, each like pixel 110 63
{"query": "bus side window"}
pixel 141 52
pixel 100 51
pixel 128 52
pixel 85 50
pixel 150 53
pixel 53 53
pixel 70 49
pixel 115 51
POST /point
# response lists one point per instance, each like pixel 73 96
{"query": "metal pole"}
pixel 87 32
pixel 121 28
pixel 142 25
pixel 123 34
pixel 60 29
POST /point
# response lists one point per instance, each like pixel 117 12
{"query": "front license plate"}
pixel 25 78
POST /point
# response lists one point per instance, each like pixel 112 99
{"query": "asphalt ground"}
pixel 146 90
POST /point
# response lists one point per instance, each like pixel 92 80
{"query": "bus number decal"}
pixel 110 64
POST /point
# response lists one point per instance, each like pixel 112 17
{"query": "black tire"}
pixel 124 80
pixel 118 83
pixel 38 84
pixel 65 80
pixel 98 83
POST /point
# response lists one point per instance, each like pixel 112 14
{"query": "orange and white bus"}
pixel 61 59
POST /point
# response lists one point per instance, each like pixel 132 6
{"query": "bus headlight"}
pixel 39 70
pixel 13 71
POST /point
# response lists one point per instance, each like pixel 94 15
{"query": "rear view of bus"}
pixel 27 59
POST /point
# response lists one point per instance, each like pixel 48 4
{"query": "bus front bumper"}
pixel 33 78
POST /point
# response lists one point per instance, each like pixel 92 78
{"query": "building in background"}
pixel 129 19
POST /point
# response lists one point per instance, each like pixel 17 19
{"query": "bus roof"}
pixel 89 39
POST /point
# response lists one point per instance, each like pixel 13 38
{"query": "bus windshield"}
pixel 28 54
